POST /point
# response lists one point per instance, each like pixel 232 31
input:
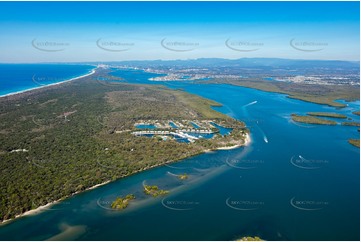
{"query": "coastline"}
pixel 43 207
pixel 52 84
pixel 247 142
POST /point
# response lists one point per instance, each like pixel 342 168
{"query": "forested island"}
pixel 121 203
pixel 313 118
pixel 329 115
pixel 70 137
pixel 316 93
pixel 154 191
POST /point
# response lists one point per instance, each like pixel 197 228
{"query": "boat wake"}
pixel 249 104
pixel 265 139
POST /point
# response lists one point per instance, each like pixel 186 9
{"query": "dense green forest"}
pixel 60 140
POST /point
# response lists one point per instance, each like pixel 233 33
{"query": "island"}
pixel 154 191
pixel 354 142
pixel 121 203
pixel 329 115
pixel 249 238
pixel 183 176
pixel 311 120
pixel 357 124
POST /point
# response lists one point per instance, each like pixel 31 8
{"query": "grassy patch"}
pixel 351 124
pixel 311 120
pixel 324 114
pixel 320 94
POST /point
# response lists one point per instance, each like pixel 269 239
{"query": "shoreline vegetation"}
pixel 48 205
pixel 183 176
pixel 311 120
pixel 121 203
pixel 250 238
pixel 329 115
pixel 319 94
pixel 354 142
pixel 95 156
pixel 351 124
pixel 154 191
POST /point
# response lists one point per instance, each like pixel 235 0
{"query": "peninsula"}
pixel 79 134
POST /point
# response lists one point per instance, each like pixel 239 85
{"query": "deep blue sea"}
pixel 292 182
pixel 20 77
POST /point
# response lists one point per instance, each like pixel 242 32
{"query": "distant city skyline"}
pixel 118 31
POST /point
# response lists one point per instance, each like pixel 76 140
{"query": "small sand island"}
pixel 183 176
pixel 249 238
pixel 154 191
pixel 122 202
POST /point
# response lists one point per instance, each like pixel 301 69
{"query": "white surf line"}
pixel 49 85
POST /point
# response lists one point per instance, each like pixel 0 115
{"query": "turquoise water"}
pixel 173 125
pixel 194 125
pixel 222 130
pixel 292 182
pixel 146 126
pixel 20 77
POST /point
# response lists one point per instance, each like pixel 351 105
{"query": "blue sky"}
pixel 115 31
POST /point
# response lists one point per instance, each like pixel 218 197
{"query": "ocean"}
pixel 21 77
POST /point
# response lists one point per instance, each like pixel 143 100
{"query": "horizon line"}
pixel 193 59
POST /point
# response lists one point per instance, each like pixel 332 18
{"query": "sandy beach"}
pixel 42 208
pixel 247 142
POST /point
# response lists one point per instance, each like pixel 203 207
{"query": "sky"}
pixel 33 32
